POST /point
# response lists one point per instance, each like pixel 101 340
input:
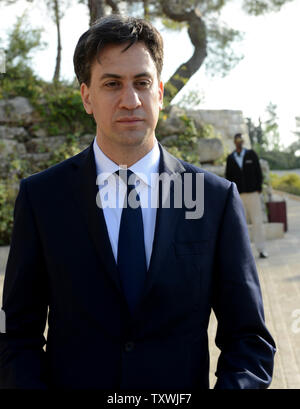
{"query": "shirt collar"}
pixel 144 168
pixel 243 151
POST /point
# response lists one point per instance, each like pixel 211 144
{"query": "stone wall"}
pixel 226 122
pixel 20 132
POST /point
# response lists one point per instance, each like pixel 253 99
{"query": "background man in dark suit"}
pixel 243 168
pixel 129 290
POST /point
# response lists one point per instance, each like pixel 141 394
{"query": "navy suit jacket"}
pixel 61 260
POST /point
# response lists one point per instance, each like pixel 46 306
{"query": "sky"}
pixel 269 71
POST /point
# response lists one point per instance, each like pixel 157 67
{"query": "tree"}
pixel 294 147
pixel 297 132
pixel 265 136
pixel 19 78
pixel 256 135
pixel 55 8
pixel 212 40
pixel 57 18
pixel 100 8
pixel 271 128
pixel 21 42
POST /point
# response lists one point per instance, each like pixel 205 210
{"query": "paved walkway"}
pixel 280 283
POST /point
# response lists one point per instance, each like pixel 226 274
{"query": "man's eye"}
pixel 143 84
pixel 112 84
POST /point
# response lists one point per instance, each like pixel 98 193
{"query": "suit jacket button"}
pixel 129 346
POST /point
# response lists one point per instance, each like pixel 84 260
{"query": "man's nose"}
pixel 129 98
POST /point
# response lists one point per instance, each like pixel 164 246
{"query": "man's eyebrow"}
pixel 111 75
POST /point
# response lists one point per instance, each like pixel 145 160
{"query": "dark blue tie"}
pixel 131 248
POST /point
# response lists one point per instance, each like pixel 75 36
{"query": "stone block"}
pixel 17 110
pixel 42 145
pixel 9 146
pixel 38 157
pixel 12 132
pixel 210 150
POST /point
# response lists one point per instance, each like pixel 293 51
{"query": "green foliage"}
pixel 190 99
pixel 259 7
pixel 221 56
pixel 7 198
pixel 173 25
pixel 18 169
pixel 65 151
pixel 19 78
pixel 58 105
pixel 271 128
pixel 280 159
pixel 265 140
pixel 61 110
pixel 289 183
pixel 22 40
pixel 185 145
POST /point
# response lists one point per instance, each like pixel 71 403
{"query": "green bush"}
pixel 61 110
pixel 280 160
pixel 185 146
pixel 18 169
pixel 7 199
pixel 289 183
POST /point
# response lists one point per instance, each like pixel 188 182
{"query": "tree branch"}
pixel 198 37
pixel 114 6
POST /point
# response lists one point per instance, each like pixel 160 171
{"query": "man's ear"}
pixel 85 96
pixel 161 95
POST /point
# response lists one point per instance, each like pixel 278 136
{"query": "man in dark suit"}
pixel 129 290
pixel 243 168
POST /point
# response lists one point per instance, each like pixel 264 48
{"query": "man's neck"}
pixel 125 155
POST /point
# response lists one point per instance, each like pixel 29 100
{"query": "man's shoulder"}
pixel 250 152
pixel 56 172
pixel 210 179
pixel 231 155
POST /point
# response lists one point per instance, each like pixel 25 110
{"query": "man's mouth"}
pixel 130 120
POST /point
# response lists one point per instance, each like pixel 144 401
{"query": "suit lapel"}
pixel 85 190
pixel 244 158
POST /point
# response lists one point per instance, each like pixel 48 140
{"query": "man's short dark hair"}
pixel 237 136
pixel 115 29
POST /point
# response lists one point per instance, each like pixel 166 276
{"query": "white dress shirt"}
pixel 112 192
pixel 239 158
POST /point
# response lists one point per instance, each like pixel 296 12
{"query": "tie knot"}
pixel 128 177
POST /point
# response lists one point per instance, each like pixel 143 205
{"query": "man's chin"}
pixel 133 138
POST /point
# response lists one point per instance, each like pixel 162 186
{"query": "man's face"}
pixel 239 143
pixel 124 96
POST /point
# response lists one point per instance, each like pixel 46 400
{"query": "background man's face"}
pixel 124 95
pixel 239 143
